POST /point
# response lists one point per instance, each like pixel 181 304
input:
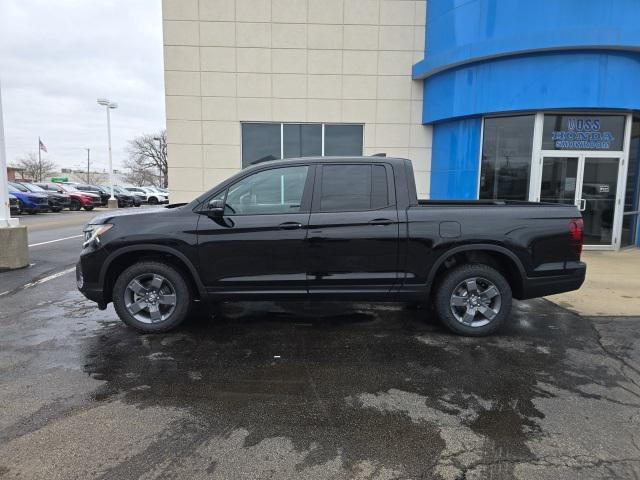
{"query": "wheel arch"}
pixel 498 257
pixel 122 258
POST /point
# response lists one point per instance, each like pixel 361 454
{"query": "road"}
pixel 55 240
pixel 290 391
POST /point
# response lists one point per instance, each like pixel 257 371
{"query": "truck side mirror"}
pixel 216 208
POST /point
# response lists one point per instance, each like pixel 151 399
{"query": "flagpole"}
pixel 39 179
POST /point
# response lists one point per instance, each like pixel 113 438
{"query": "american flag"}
pixel 42 146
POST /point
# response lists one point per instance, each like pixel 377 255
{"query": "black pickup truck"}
pixel 331 229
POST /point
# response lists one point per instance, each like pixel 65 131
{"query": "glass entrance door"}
pixel 589 182
pixel 559 180
pixel 598 199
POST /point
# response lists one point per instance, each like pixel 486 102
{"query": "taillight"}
pixel 576 233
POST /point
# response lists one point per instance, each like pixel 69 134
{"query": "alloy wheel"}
pixel 150 298
pixel 475 302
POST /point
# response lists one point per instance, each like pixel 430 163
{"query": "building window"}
pixel 302 140
pixel 507 144
pixel 271 141
pixel 343 140
pixel 583 132
pixel 260 142
pixel 631 213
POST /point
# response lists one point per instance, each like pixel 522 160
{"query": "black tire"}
pixel 74 206
pixel 453 288
pixel 183 297
pixel 88 209
pixel 153 201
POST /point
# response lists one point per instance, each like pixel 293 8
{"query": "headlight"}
pixel 92 233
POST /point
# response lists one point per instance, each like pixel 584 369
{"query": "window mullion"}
pixel 281 140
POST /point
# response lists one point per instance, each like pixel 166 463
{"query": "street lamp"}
pixel 108 104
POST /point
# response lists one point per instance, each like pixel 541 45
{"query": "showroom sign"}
pixel 565 132
pixel 582 134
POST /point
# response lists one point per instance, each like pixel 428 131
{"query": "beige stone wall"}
pixel 229 61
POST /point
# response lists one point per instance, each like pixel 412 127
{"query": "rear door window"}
pixel 347 188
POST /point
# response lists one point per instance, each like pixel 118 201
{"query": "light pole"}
pixel 108 104
pixel 88 164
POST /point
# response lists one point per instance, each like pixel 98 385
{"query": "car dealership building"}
pixel 494 99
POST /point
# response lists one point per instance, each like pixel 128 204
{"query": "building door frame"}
pixel 537 161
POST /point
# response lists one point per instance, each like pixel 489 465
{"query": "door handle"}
pixel 381 221
pixel 290 226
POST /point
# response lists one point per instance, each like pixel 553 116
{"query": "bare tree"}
pixel 141 174
pixel 35 169
pixel 149 152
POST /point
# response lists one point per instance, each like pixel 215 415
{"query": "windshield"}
pixel 33 188
pixel 68 188
pixel 19 187
pixel 13 189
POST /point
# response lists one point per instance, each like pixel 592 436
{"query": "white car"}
pixel 152 196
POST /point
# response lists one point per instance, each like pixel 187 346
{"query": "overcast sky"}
pixel 58 56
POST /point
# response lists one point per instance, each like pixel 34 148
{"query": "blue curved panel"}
pixel 575 80
pixel 465 31
pixel 454 159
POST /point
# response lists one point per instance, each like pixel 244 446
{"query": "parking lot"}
pixel 271 390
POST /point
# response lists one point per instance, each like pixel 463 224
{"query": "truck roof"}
pixel 337 159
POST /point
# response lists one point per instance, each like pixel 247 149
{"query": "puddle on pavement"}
pixel 335 380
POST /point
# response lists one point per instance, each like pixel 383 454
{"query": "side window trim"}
pixel 305 203
pixel 317 190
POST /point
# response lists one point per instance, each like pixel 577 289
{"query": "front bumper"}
pixel 534 287
pixel 36 207
pixel 88 276
pixel 59 203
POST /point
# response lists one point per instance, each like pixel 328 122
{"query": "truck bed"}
pixel 480 203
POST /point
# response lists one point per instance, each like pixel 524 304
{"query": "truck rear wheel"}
pixel 151 297
pixel 473 300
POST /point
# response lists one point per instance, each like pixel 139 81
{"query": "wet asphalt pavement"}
pixel 332 391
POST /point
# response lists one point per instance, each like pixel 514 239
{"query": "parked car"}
pixel 125 199
pixel 57 200
pixel 331 229
pixel 79 199
pixel 14 205
pixel 28 201
pixel 138 198
pixel 101 192
pixel 150 194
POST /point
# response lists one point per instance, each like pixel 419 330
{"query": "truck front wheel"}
pixel 151 297
pixel 473 300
